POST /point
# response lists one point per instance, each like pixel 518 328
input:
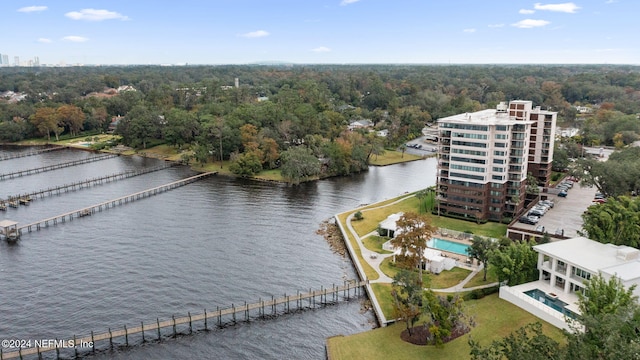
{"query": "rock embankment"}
pixel 331 232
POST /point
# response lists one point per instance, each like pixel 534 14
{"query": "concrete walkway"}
pixel 374 259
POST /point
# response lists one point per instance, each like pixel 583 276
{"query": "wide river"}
pixel 215 242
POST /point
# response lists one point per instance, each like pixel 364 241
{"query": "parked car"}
pixel 540 228
pixel 598 196
pixel 562 188
pixel 600 201
pixel 562 194
pixel 548 203
pixel 567 183
pixel 560 232
pixel 531 220
pixel 536 212
pixel 542 209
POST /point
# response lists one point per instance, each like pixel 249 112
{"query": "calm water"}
pixel 211 243
pixel 446 245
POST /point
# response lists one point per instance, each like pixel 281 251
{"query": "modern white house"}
pixel 564 267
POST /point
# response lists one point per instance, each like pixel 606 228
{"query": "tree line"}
pixel 307 109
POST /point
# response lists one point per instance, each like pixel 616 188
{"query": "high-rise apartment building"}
pixel 484 158
pixel 5 59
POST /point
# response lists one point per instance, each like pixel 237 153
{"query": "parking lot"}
pixel 567 212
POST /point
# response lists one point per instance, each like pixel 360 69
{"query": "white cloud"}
pixel 347 2
pixel 95 15
pixel 74 38
pixel 469 30
pixel 526 11
pixel 44 40
pixel 321 49
pixel 496 25
pixel 28 9
pixel 530 23
pixel 255 34
pixel 564 7
pixel 611 1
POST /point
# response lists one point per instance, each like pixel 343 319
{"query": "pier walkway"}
pixel 30 153
pixel 261 309
pixel 109 204
pixel 57 190
pixel 55 166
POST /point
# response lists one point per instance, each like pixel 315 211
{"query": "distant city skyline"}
pixel 121 32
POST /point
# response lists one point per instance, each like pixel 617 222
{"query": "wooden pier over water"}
pixel 55 166
pixel 57 190
pixel 30 153
pixel 261 309
pixel 109 204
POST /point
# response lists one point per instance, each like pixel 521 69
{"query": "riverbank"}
pixel 104 142
pixel 386 342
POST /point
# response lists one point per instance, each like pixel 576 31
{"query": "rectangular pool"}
pixel 555 304
pixel 446 245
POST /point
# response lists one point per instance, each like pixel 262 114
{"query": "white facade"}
pixel 564 268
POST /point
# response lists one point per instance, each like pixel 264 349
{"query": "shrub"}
pixel 358 215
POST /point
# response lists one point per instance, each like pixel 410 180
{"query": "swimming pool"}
pixel 446 245
pixel 556 304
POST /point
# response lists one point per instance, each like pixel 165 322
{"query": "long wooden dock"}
pixel 55 166
pixel 57 190
pixel 109 204
pixel 221 316
pixel 30 153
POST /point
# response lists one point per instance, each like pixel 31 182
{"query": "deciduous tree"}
pixel 480 250
pixel 412 233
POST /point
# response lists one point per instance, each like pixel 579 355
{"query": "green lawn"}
pixel 495 318
pixel 392 157
pixel 477 280
pixel 374 243
pixel 373 217
pixel 445 279
pixel 368 270
pixel 383 294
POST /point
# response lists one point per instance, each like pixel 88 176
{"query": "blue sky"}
pixel 321 31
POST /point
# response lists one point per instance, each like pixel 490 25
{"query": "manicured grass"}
pixel 495 319
pixel 374 243
pixel 448 278
pixel 444 280
pixel 477 280
pixel 392 157
pixel 490 229
pixel 373 215
pixel 385 299
pixel 270 175
pixel 368 270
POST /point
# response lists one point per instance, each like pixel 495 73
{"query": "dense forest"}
pixel 284 115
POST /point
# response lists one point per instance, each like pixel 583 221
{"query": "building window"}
pixel 467 176
pixel 502 127
pixel 500 153
pixel 498 169
pixel 468 168
pixel 497 177
pixel 500 145
pixel 498 161
pixel 468 143
pixel 501 136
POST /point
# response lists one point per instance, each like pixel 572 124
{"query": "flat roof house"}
pixel 564 267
